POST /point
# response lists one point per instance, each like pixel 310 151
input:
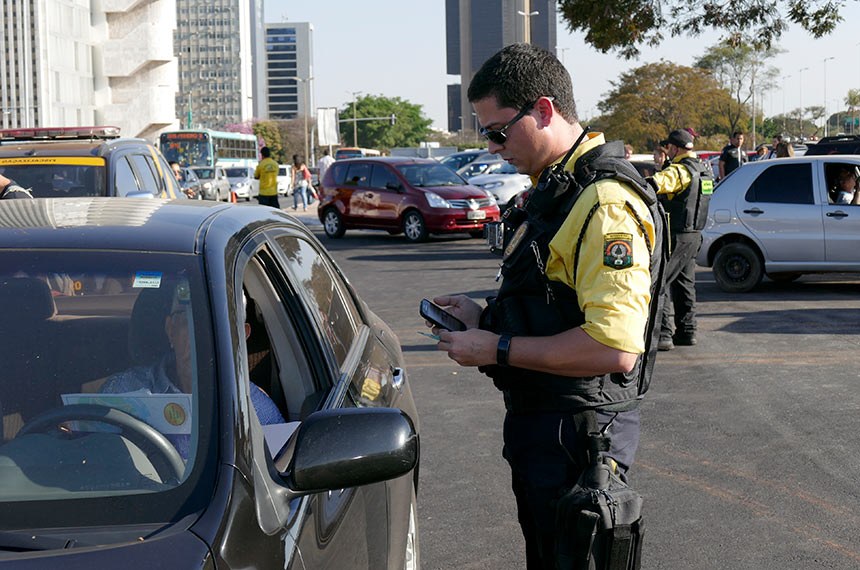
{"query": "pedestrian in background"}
pixel 267 173
pixel 568 326
pixel 732 156
pixel 323 164
pixel 761 153
pixel 301 181
pixel 684 188
pixel 784 150
pixel 776 140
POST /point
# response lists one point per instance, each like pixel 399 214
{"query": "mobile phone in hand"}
pixel 440 317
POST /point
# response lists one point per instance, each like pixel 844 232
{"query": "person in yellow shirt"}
pixel 267 173
pixel 684 188
pixel 571 328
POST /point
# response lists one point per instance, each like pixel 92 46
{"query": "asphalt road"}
pixel 749 451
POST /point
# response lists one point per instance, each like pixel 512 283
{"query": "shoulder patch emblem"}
pixel 617 250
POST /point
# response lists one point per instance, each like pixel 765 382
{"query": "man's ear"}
pixel 545 111
pixel 247 330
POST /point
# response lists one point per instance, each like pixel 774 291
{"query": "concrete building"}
pixel 476 29
pixel 289 70
pixel 86 62
pixel 214 42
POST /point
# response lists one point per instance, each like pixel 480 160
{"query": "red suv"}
pixel 415 196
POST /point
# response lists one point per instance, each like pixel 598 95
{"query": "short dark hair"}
pixel 736 134
pixel 265 152
pixel 519 75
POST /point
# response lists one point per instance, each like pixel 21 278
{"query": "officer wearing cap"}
pixel 684 188
pixel 9 190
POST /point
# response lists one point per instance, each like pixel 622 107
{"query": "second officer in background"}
pixel 684 187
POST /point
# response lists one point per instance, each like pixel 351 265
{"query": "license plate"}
pixel 476 215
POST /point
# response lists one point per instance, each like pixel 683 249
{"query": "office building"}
pixel 289 70
pixel 476 29
pixel 214 42
pixel 76 63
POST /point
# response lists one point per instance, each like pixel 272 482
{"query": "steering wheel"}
pixel 167 461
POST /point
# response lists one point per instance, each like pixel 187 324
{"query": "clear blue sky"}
pixel 396 48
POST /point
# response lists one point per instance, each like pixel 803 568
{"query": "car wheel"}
pixel 737 268
pixel 333 223
pixel 413 551
pixel 414 227
pixel 786 277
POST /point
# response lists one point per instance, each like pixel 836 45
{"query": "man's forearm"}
pixel 570 353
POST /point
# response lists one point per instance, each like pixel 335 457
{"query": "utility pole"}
pixel 527 23
pixel 826 118
pixel 354 120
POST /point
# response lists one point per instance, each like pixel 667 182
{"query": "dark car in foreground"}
pixel 779 218
pixel 415 196
pixel 190 384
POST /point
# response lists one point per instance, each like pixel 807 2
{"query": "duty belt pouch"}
pixel 599 521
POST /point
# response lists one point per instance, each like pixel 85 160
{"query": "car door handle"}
pixel 754 211
pixel 837 214
pixel 399 377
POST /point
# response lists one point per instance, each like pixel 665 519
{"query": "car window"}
pixel 424 174
pixel 125 181
pixel 146 171
pixel 783 184
pixel 127 334
pixel 358 174
pixel 382 176
pixel 327 297
pixel 338 172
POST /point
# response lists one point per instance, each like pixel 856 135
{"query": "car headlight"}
pixel 491 185
pixel 436 201
pixel 207 185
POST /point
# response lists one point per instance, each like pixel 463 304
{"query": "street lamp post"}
pixel 561 51
pixel 527 14
pixel 306 100
pixel 800 111
pixel 354 121
pixel 826 118
pixel 784 112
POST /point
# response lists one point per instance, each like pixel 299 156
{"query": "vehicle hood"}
pixel 455 192
pixel 180 549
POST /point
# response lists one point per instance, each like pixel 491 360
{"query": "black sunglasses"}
pixel 498 136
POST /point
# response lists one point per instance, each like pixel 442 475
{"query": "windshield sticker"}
pixel 67 160
pixel 147 280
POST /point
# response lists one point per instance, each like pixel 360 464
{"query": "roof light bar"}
pixel 60 133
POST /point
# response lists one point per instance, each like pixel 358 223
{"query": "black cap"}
pixel 679 138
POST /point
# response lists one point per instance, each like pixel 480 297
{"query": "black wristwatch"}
pixel 503 350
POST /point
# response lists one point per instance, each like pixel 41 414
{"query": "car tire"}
pixel 784 277
pixel 333 223
pixel 738 268
pixel 414 227
pixel 412 560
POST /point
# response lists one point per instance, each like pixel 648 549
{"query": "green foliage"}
pixel 410 128
pixel 625 25
pixel 648 102
pixel 269 134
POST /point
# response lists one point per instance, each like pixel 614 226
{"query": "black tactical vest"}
pixel 529 304
pixel 688 210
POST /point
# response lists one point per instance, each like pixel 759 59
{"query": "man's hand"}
pixel 461 307
pixel 474 347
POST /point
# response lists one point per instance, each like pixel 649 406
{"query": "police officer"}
pixel 684 188
pixel 732 155
pixel 569 328
pixel 9 190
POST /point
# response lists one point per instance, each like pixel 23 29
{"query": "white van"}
pixel 285 179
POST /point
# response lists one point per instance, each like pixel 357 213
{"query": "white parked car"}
pixel 285 179
pixel 778 218
pixel 242 182
pixel 504 183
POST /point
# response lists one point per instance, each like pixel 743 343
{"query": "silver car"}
pixel 242 182
pixel 503 184
pixel 779 218
pixel 215 184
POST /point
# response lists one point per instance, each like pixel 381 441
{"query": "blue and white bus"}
pixel 205 147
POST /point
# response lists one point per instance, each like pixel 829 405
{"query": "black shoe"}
pixel 685 339
pixel 665 344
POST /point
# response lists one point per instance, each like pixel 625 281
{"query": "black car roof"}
pixel 128 224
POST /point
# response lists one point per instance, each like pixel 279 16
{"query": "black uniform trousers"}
pixel 679 292
pixel 546 456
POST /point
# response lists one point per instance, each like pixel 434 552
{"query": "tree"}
pixel 625 25
pixel 741 70
pixel 648 102
pixel 853 102
pixel 410 125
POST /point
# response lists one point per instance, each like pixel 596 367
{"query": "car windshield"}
pixel 430 175
pixel 58 180
pixel 238 173
pixel 205 172
pixel 107 390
